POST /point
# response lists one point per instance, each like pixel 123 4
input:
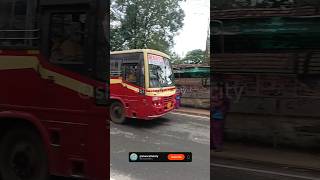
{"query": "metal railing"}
pixel 115 73
pixel 28 36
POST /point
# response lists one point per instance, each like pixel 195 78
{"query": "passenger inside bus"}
pixel 71 48
pixel 132 76
pixel 68 50
pixel 67 43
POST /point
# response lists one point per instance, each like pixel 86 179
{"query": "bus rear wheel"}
pixel 117 113
pixel 22 156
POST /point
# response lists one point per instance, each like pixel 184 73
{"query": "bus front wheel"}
pixel 22 156
pixel 117 113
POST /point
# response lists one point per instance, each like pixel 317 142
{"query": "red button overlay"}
pixel 176 157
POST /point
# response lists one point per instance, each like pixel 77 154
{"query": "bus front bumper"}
pixel 158 113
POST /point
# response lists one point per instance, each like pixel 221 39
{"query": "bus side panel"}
pixel 132 100
pixel 98 141
pixel 82 144
pixel 22 87
pixel 80 126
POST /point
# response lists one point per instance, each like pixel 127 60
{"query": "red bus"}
pixel 141 85
pixel 53 95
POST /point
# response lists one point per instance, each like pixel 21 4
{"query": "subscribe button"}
pixel 176 157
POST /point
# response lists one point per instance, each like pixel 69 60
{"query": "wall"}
pixel 285 131
pixel 195 92
pixel 276 111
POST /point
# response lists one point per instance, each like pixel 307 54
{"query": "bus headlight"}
pixel 156 101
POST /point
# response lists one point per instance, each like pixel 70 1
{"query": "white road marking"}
pixel 189 115
pixel 264 171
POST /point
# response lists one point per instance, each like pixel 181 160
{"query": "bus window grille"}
pixel 167 99
pixel 115 73
pixel 27 37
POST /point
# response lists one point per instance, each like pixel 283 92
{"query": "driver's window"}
pixel 68 37
pixel 131 73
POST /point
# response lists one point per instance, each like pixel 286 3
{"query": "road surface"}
pixel 233 170
pixel 173 132
pixel 181 132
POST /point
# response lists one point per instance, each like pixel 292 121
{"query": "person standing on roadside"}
pixel 219 108
pixel 178 98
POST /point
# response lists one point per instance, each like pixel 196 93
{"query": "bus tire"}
pixel 22 156
pixel 117 113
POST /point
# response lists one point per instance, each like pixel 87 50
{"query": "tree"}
pixel 175 58
pixel 145 24
pixel 196 56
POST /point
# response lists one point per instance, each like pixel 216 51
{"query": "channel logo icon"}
pixel 133 157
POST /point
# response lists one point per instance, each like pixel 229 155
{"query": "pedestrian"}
pixel 219 109
pixel 178 99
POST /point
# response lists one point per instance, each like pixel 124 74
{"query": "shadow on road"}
pixel 140 123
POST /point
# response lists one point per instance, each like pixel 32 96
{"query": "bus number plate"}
pixel 169 105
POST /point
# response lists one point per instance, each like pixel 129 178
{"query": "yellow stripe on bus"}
pixel 161 94
pixel 119 81
pixel 115 81
pixel 67 82
pixel 31 62
pixel 18 62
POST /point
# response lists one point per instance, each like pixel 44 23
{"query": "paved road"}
pixel 231 170
pixel 173 132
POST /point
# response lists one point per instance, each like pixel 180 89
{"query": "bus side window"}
pixel 17 23
pixel 114 66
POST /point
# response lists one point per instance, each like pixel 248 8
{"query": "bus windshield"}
pixel 160 71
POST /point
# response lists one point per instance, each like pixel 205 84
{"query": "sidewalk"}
pixel 193 111
pixel 264 155
pixel 259 154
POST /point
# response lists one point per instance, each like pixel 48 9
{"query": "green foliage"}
pixel 196 56
pixel 175 58
pixel 150 24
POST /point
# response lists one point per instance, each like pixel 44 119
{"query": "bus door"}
pixel 75 47
pixel 67 48
pixel 132 74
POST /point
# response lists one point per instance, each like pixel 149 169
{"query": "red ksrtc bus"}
pixel 141 85
pixel 53 102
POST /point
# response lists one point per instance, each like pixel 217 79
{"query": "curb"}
pixel 191 113
pixel 269 163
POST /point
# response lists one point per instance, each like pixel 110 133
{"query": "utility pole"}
pixel 207 51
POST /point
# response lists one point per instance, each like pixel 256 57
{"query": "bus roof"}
pixel 151 51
